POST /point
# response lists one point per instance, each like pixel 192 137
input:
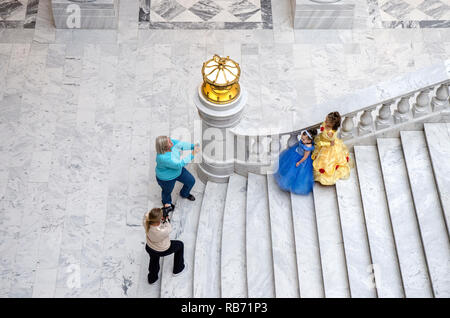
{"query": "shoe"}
pixel 173 206
pixel 190 197
pixel 151 282
pixel 167 209
pixel 185 269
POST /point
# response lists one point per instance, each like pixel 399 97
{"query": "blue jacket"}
pixel 170 164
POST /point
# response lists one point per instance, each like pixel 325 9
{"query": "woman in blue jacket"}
pixel 170 168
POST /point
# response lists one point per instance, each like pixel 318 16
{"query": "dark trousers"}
pixel 176 247
pixel 167 186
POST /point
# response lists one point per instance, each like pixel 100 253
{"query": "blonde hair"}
pixel 152 217
pixel 162 144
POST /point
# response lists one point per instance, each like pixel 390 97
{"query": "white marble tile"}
pixel 283 241
pixel 260 272
pixel 428 209
pixel 25 260
pixel 404 221
pixel 335 277
pixel 381 240
pixel 45 282
pixel 49 247
pixel 438 142
pixel 5 51
pixel 208 244
pixel 88 87
pixel 233 258
pixel 185 220
pixel 44 29
pixel 16 68
pixel 40 166
pixel 15 197
pixel 307 246
pixel 128 24
pixel 94 36
pixel 354 233
pixel 144 76
pixel 134 242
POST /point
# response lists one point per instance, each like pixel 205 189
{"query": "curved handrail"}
pixel 381 98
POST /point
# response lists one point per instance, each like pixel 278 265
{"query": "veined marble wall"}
pixel 410 13
pixel 205 14
pixel 18 13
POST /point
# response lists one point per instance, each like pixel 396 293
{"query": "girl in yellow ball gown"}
pixel 330 155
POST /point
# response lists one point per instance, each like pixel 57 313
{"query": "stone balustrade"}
pixel 361 123
pixel 407 110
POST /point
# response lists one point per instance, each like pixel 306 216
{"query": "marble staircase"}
pixel 381 233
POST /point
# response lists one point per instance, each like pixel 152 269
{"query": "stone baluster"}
pixel 259 148
pixel 275 145
pixel 348 127
pixel 265 148
pixel 421 106
pixel 242 149
pixel 254 145
pixel 365 125
pixel 292 140
pixel 384 118
pixel 440 100
pixel 401 114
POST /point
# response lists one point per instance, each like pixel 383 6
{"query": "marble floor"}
pixel 79 110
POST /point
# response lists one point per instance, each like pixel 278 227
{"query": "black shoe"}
pixel 172 205
pixel 151 281
pixel 184 270
pixel 191 197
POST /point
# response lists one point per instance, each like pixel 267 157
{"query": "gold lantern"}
pixel 221 80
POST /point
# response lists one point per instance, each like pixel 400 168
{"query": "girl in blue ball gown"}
pixel 295 167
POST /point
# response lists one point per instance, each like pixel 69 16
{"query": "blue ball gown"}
pixel 298 180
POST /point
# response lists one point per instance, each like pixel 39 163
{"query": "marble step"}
pixel 334 268
pixel 144 289
pixel 208 244
pixel 233 259
pixel 184 220
pixel 283 241
pixel 309 267
pixel 414 270
pixel 428 210
pixel 260 273
pixel 438 141
pixel 386 269
pixel 354 233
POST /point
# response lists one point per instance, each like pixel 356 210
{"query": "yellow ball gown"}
pixel 331 163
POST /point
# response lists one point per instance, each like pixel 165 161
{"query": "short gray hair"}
pixel 161 144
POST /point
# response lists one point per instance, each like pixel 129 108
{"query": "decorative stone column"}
pixel 440 100
pixel 218 144
pixel 384 118
pixel 85 14
pixel 323 14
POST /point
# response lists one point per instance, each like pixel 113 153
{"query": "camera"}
pixel 166 210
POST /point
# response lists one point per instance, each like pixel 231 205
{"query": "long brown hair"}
pixel 335 119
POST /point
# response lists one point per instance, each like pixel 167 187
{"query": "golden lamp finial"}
pixel 221 80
